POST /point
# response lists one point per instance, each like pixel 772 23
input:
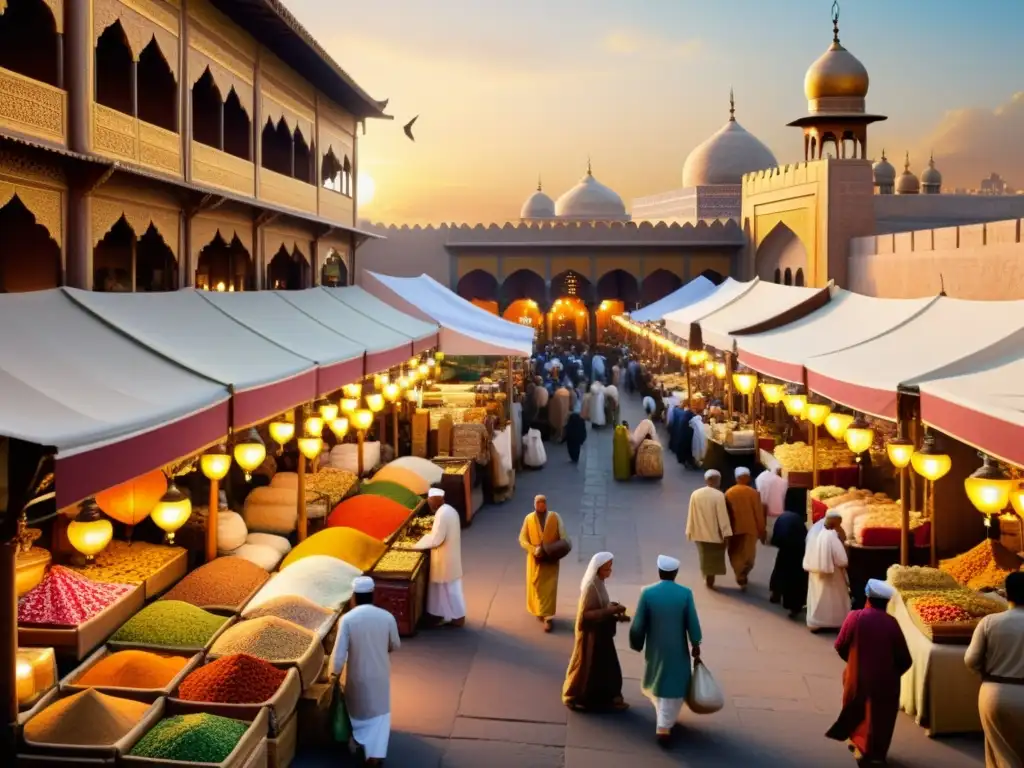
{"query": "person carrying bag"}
pixel 704 696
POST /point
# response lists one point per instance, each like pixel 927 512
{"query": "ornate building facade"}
pixel 148 145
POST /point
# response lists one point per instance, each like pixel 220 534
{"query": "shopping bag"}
pixel 704 696
pixel 341 726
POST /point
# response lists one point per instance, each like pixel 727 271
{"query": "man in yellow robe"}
pixel 541 527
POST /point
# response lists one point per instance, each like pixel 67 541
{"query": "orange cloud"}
pixel 636 42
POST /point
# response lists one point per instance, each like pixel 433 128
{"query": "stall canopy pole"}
pixel 300 495
pixel 211 521
pixel 8 646
pixel 689 385
pixel 728 384
pixel 509 387
pixel 904 427
pixel 394 425
pixel 930 495
pixel 814 455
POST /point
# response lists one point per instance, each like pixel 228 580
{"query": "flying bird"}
pixel 408 128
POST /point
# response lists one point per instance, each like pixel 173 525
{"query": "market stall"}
pixel 695 290
pixel 679 322
pixel 424 334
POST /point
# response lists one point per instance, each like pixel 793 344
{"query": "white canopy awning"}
pixel 866 376
pixel 265 378
pixel 422 333
pixel 680 321
pixel 385 347
pixel 847 320
pixel 765 306
pixel 693 291
pixel 111 407
pixel 340 359
pixel 465 328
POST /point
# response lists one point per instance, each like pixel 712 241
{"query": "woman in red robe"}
pixel 876 655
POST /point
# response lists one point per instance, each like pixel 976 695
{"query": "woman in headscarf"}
pixel 575 435
pixel 593 680
pixel 558 412
pixel 611 404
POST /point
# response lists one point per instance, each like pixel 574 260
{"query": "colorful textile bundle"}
pixel 65 598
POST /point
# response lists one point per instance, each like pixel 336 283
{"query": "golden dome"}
pixel 836 74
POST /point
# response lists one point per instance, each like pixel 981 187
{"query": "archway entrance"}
pixel 335 271
pixel 568 322
pixel 123 263
pixel 657 285
pixel 780 254
pixel 606 313
pixel 523 284
pixel 224 266
pixel 478 285
pixel 29 258
pixel 486 304
pixel 618 285
pixel 288 271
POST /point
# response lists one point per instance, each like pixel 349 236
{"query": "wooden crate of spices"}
pixel 402 590
pixel 457 482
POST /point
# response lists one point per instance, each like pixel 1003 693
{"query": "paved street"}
pixel 489 694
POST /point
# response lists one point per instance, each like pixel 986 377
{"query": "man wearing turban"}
pixel 540 536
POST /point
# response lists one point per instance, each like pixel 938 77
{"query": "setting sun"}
pixel 366 188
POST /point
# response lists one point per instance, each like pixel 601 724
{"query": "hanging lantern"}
pixel 859 436
pixel 929 462
pixel 795 404
pixel 439 356
pixel 816 413
pixel 131 502
pixel 172 511
pixel 313 425
pixel 328 411
pixel 349 405
pixel 412 395
pixel 353 390
pixel 837 423
pixel 311 446
pixel 391 392
pixel 281 432
pixel 250 453
pixel 363 419
pixel 375 402
pixel 215 463
pixel 1017 498
pixel 989 487
pixel 339 427
pixel 431 362
pixel 720 371
pixel 414 363
pixel 900 450
pixel 772 393
pixel 90 531
pixel 745 382
pixel 709 366
pixel 423 370
pixel 403 382
pixel 377 383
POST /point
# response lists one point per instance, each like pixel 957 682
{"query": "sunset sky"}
pixel 507 91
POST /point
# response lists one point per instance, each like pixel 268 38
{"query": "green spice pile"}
pixel 235 679
pixel 267 638
pixel 226 582
pixel 199 738
pixel 296 609
pixel 170 624
pixel 88 718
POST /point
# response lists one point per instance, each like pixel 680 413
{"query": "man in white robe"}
pixel 825 560
pixel 708 526
pixel 772 487
pixel 598 417
pixel 445 602
pixel 366 636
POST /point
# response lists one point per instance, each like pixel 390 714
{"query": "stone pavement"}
pixel 489 694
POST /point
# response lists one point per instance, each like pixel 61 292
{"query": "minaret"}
pixel 732 107
pixel 931 179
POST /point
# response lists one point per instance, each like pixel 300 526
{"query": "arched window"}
pixel 155 266
pixel 157 89
pixel 303 158
pixel 277 147
pixel 237 128
pixel 224 266
pixel 28 41
pixel 346 177
pixel 114 66
pixel 29 257
pixel 799 279
pixel 112 260
pixel 330 172
pixel 207 112
pixel 778 276
pixel 788 280
pixel 335 271
pixel 287 271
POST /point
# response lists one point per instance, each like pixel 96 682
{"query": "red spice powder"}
pixel 235 679
pixel 375 516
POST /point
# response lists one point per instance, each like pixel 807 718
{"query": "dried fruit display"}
pixel 798 457
pixel 125 562
pixel 823 492
pixel 908 577
pixel 935 610
pixel 397 561
pixel 989 562
pixel 333 483
pixel 420 526
pixel 977 606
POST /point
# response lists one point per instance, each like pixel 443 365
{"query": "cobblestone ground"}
pixel 489 695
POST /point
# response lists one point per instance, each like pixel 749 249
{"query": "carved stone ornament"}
pixel 56 7
pixel 44 204
pixel 137 29
pixel 106 213
pixel 205 230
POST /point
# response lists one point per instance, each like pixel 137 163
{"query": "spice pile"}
pixel 170 624
pixel 297 610
pixel 129 563
pixel 398 562
pixel 133 669
pixel 907 577
pixel 321 579
pixel 420 526
pixel 235 679
pixel 799 457
pixel 66 599
pixel 389 489
pixel 354 547
pixel 267 637
pixel 89 718
pixel 986 566
pixel 334 484
pixel 376 516
pixel 199 738
pixel 935 610
pixel 226 582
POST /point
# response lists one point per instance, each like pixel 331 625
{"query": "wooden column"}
pixel 212 521
pixel 8 649
pixel 728 384
pixel 302 523
pixel 78 74
pixel 134 80
pixel 185 106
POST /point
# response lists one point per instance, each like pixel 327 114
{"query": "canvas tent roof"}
pixel 765 306
pixel 112 408
pixel 847 320
pixel 422 333
pixel 680 321
pixel 340 359
pixel 384 347
pixel 182 326
pixel 693 291
pixel 980 399
pixel 866 376
pixel 465 328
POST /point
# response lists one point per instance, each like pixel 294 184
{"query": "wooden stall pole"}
pixel 394 424
pixel 904 519
pixel 211 521
pixel 929 490
pixel 728 384
pixel 814 455
pixel 8 646
pixel 689 383
pixel 359 443
pixel 301 524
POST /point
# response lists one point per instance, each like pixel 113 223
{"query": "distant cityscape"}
pixel 993 185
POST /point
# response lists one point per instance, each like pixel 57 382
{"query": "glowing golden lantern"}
pixel 439 356
pixel 859 436
pixel 250 452
pixel 172 511
pixel 837 423
pixel 339 427
pixel 1017 498
pixel 989 488
pixel 310 446
pixel 414 363
pixel 313 425
pixel 720 371
pixel 391 392
pixel 349 405
pixel 375 402
pixel 816 413
pixel 424 369
pixel 745 382
pixel 795 404
pixel 353 390
pixel 281 432
pixel 431 362
pixel 363 419
pixel 131 502
pixel 413 376
pixel 377 383
pixel 403 382
pixel 90 531
pixel 709 366
pixel 216 462
pixel 772 393
pixel 412 395
pixel 900 450
pixel 929 462
pixel 328 411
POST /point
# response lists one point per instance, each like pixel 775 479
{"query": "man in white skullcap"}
pixel 664 626
pixel 366 635
pixel 708 526
pixel 545 541
pixel 445 601
pixel 746 515
pixel 876 655
pixel 825 560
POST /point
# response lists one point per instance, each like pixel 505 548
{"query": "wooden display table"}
pixel 404 597
pixel 459 483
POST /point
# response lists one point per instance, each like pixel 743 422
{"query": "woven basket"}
pixel 649 461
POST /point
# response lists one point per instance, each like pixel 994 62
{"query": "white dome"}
pixel 590 200
pixel 908 183
pixel 883 171
pixel 931 176
pixel 538 206
pixel 726 155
